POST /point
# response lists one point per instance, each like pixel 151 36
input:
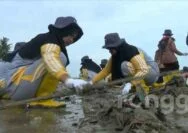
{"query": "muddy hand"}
pixel 87 87
pixel 77 84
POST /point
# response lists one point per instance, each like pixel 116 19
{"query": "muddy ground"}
pixel 22 120
pixel 99 111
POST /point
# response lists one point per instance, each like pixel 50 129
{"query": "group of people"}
pixel 36 68
pixel 89 68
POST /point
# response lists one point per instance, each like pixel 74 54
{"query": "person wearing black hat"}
pixel 19 45
pixel 127 60
pixel 9 56
pixel 165 55
pixel 88 69
pixel 40 64
pixel 103 63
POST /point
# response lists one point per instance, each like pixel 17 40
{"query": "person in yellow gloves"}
pixel 40 64
pixel 88 68
pixel 128 60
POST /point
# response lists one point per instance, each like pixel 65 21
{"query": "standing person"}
pixel 165 55
pixel 37 67
pixel 128 60
pixel 88 69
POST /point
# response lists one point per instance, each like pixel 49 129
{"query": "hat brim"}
pixel 114 45
pixel 67 27
pixel 167 34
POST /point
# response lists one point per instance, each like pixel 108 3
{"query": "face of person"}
pixel 69 39
pixel 167 35
pixel 112 51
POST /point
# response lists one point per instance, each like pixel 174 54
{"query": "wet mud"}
pixel 104 114
pixel 99 111
pixel 37 120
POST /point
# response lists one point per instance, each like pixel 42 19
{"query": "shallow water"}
pixel 18 120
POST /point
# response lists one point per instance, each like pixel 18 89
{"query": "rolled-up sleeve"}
pixel 51 57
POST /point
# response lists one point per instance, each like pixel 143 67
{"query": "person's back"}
pixel 147 58
pixel 89 68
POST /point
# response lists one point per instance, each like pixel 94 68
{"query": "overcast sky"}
pixel 140 22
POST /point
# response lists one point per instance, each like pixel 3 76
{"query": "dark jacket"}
pixel 125 53
pixel 90 65
pixel 31 50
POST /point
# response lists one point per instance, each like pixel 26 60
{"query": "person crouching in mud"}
pixel 40 64
pixel 8 57
pixel 102 65
pixel 89 68
pixel 128 60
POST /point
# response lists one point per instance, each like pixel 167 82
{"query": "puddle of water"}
pixel 17 120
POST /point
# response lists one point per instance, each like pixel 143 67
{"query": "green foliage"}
pixel 4 47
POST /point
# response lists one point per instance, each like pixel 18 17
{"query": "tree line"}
pixel 4 47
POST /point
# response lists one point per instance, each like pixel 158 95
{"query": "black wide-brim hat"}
pixel 104 62
pixel 84 58
pixel 114 45
pixel 168 32
pixel 112 40
pixel 67 23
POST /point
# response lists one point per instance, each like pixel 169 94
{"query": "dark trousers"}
pixel 168 67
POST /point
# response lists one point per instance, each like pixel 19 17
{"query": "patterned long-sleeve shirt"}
pixel 51 57
pixel 140 66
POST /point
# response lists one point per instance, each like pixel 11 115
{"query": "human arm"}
pixel 157 58
pixel 140 66
pixel 175 50
pixel 51 57
pixel 105 72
